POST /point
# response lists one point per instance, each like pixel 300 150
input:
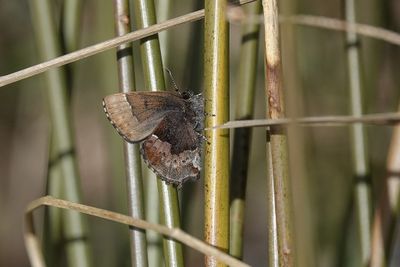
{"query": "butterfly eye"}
pixel 186 95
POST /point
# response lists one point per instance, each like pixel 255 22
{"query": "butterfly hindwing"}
pixel 172 168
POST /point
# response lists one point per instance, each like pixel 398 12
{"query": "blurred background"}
pixel 321 162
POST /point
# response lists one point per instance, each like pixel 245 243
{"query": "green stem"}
pixel 131 151
pixel 359 148
pixel 75 231
pixel 216 157
pixel 163 14
pixel 154 80
pixel 244 110
pixel 52 229
pixel 71 24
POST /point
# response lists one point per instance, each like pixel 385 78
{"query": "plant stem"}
pixel 389 211
pixel 359 148
pixel 74 225
pixel 132 158
pixel 242 139
pixel 154 80
pixel 52 225
pixel 72 13
pixel 216 90
pixel 303 213
pixel 277 136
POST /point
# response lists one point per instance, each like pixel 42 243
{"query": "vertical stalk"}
pixel 302 209
pixel 70 33
pixel 131 151
pixel 72 13
pixel 381 227
pixel 273 250
pixel 216 165
pixel 154 80
pixel 52 234
pixel 359 148
pixel 74 225
pixel 277 136
pixel 242 139
pixel 193 65
pixel 154 240
pixel 390 210
pixel 163 13
pixel 52 225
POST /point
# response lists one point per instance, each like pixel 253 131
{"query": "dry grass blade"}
pixel 376 119
pixel 33 247
pixel 32 243
pixel 327 23
pixel 321 22
pixel 341 25
pixel 97 48
pixel 103 46
pixel 335 24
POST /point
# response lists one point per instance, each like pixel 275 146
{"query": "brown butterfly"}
pixel 169 126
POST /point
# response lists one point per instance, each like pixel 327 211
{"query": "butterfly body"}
pixel 168 126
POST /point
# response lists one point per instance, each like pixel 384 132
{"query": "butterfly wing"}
pixel 136 115
pixel 173 153
pixel 167 123
pixel 172 168
pixel 147 105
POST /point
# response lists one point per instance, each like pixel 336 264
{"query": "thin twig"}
pixel 340 25
pixel 98 48
pixel 103 46
pixel 174 233
pixel 328 23
pixel 375 119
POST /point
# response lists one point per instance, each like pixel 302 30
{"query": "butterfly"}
pixel 168 126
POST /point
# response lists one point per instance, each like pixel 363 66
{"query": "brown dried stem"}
pixel 277 140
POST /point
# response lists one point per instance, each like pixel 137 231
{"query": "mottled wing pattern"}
pixel 172 168
pixel 174 159
pixel 146 105
pixel 169 127
pixel 119 109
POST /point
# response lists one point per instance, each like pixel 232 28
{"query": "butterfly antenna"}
pixel 172 79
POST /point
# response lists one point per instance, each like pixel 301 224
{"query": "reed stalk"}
pixel 242 137
pixel 216 156
pixel 358 139
pixel 303 212
pixel 277 142
pixel 74 225
pixel 133 172
pixel 154 80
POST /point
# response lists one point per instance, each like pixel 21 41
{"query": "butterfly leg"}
pixel 203 138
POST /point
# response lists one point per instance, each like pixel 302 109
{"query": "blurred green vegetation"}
pixel 322 89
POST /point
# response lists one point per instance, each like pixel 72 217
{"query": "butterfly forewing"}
pixel 133 128
pixel 147 105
